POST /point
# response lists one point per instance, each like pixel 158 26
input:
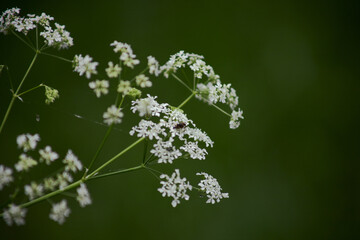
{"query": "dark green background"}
pixel 289 168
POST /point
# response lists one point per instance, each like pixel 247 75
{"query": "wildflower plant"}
pixel 167 132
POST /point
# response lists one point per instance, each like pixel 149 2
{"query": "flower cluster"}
pixel 5 176
pixel 84 65
pixel 51 94
pixel 56 36
pixel 173 125
pixel 59 212
pixel 100 87
pixel 212 188
pixel 27 142
pixel 126 53
pixel 113 115
pixel 174 186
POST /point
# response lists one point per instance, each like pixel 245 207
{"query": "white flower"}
pixel 174 187
pixel 127 55
pixel 124 87
pixel 113 115
pixel 84 65
pixel 25 163
pixel 100 87
pixel 63 179
pixel 50 184
pixel 47 155
pixel 83 196
pixel 212 188
pixel 59 212
pixel 194 150
pixel 58 37
pixel 34 190
pixel 143 81
pixel 72 162
pixel 148 129
pixel 113 71
pixel 5 176
pixel 148 107
pixel 235 118
pixel 27 142
pixel 14 214
pixel 175 62
pixel 165 151
pixel 153 65
pixel 7 18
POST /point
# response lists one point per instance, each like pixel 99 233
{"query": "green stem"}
pixel 37 38
pixel 40 85
pixel 139 74
pixel 145 150
pixel 27 44
pixel 114 158
pixel 182 82
pixel 117 172
pixel 186 100
pixel 54 56
pixel 221 110
pixel 17 91
pixel 99 149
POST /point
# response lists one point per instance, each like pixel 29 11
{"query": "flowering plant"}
pixel 167 132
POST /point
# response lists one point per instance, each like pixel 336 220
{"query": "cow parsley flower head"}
pixel 5 176
pixel 84 65
pixel 194 150
pixel 50 184
pixel 14 214
pixel 143 81
pixel 174 186
pixel 7 19
pixel 126 53
pixel 113 71
pixel 113 115
pixel 27 142
pixel 148 107
pixel 59 212
pixel 148 129
pixel 63 179
pixel 212 188
pixel 124 87
pixel 25 163
pixel 83 196
pixel 57 37
pixel 153 66
pixel 47 155
pixel 100 87
pixel 165 151
pixel 72 162
pixel 34 190
pixel 235 118
pixel 51 94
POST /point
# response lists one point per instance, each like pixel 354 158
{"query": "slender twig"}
pixel 27 44
pixel 221 110
pixel 40 85
pixel 54 56
pixel 116 172
pixel 182 82
pixel 16 92
pixel 186 100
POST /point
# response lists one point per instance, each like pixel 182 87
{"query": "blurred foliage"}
pixel 289 168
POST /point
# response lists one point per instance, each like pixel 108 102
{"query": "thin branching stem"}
pixel 15 95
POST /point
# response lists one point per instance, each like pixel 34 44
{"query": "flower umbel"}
pixel 174 186
pixel 59 212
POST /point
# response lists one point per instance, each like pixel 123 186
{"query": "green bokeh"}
pixel 288 168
